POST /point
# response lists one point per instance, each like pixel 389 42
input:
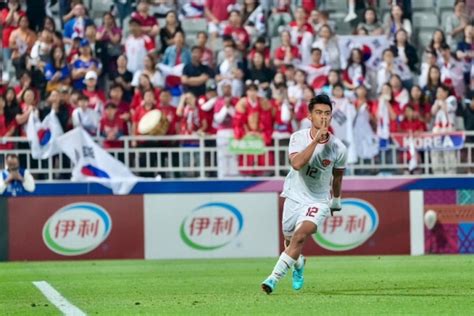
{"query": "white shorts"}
pixel 295 213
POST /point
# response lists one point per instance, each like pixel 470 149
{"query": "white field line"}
pixel 57 299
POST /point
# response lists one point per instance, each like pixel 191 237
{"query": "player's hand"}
pixel 323 131
pixel 335 205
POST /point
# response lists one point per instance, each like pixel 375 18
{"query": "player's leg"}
pixel 298 268
pixel 289 257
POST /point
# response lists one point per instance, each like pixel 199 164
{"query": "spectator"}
pixel 260 72
pixel 392 66
pixel 109 35
pixel 7 127
pixel 430 59
pixel 283 111
pixel 41 51
pixel 76 27
pixel 112 127
pixel 237 31
pixel 36 12
pixel 21 42
pixel 356 72
pixel 254 18
pixel 228 41
pixel 396 22
pixel 411 121
pixel 61 109
pixel 437 42
pixel 319 18
pixel 148 23
pixel 400 93
pixel 85 117
pixel 150 70
pixel 432 84
pixel 206 105
pixel 28 106
pixel 83 64
pixel 49 24
pixel 144 84
pixel 296 91
pixel 68 11
pixel 403 50
pixel 195 74
pixel 137 46
pixel 207 53
pixel 280 16
pixel 191 119
pixel 342 122
pixel 217 14
pixel 444 113
pixel 287 53
pixel 12 109
pixel 317 72
pixel 333 79
pixel 419 105
pixel 57 72
pixel 365 141
pixel 301 109
pixel 456 23
pixel 116 96
pixel 224 112
pixel 146 105
pixel 169 111
pixel 386 116
pixel 452 72
pixel 465 52
pixel 327 42
pixel 371 23
pixel 96 96
pixel 15 180
pixel 10 21
pixel 260 47
pixel 123 77
pixel 302 35
pixel 98 48
pixel 167 33
pixel 231 69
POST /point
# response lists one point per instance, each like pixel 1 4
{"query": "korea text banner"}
pixel 211 225
pixel 429 141
pixel 370 223
pixel 79 227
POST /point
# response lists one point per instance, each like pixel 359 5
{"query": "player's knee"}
pixel 298 238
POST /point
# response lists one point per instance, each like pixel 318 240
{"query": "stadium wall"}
pixel 225 219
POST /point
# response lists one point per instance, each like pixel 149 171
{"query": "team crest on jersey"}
pixel 326 162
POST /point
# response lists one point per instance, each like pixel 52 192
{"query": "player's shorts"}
pixel 295 213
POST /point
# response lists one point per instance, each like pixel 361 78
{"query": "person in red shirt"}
pixel 148 23
pixel 206 105
pixel 419 104
pixel 7 129
pixel 217 13
pixel 96 96
pixel 144 84
pixel 207 53
pixel 9 20
pixel 191 120
pixel 147 104
pixel 412 121
pixel 169 111
pixel 260 47
pixel 283 110
pixel 116 94
pixel 237 31
pixel 112 127
pixel 287 53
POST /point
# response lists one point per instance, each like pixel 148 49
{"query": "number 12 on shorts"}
pixel 312 211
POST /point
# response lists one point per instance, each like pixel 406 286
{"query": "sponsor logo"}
pixel 77 229
pixel 326 162
pixel 211 226
pixel 350 228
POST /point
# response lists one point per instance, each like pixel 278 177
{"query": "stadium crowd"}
pixel 250 69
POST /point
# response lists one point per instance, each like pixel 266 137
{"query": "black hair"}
pixel 375 13
pixel 196 47
pixel 319 99
pixel 11 156
pixel 316 49
pixel 445 88
pixel 82 97
pixel 350 61
pixel 134 21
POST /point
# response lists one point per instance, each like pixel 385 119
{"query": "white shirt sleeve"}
pixel 341 158
pixel 28 182
pixel 220 116
pixel 75 118
pixel 3 185
pixel 296 143
pixel 285 112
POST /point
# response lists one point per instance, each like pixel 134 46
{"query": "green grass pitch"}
pixel 429 285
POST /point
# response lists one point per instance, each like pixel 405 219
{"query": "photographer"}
pixel 15 180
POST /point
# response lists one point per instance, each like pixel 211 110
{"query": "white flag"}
pixel 92 163
pixel 43 135
pixel 371 46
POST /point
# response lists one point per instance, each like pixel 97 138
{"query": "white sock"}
pixel 300 262
pixel 284 264
pixel 351 7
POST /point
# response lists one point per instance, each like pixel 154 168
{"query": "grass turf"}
pixel 334 285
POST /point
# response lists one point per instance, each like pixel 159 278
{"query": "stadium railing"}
pixel 197 157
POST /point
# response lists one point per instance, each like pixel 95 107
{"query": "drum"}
pixel 153 123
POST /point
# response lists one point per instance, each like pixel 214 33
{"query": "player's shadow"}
pixel 391 292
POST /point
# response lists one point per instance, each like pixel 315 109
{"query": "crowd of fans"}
pixel 230 82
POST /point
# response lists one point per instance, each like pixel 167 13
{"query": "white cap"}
pixel 90 75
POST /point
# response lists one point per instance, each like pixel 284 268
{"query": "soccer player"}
pixel 315 156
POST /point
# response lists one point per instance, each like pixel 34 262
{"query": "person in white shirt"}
pixel 85 117
pixel 15 180
pixel 444 113
pixel 316 156
pixel 137 46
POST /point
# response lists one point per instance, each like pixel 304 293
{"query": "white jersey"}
pixel 312 182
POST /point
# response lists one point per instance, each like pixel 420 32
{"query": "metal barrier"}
pixel 196 157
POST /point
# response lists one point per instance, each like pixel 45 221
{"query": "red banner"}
pixel 79 227
pixel 370 223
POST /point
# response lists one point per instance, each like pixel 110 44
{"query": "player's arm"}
pixel 300 159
